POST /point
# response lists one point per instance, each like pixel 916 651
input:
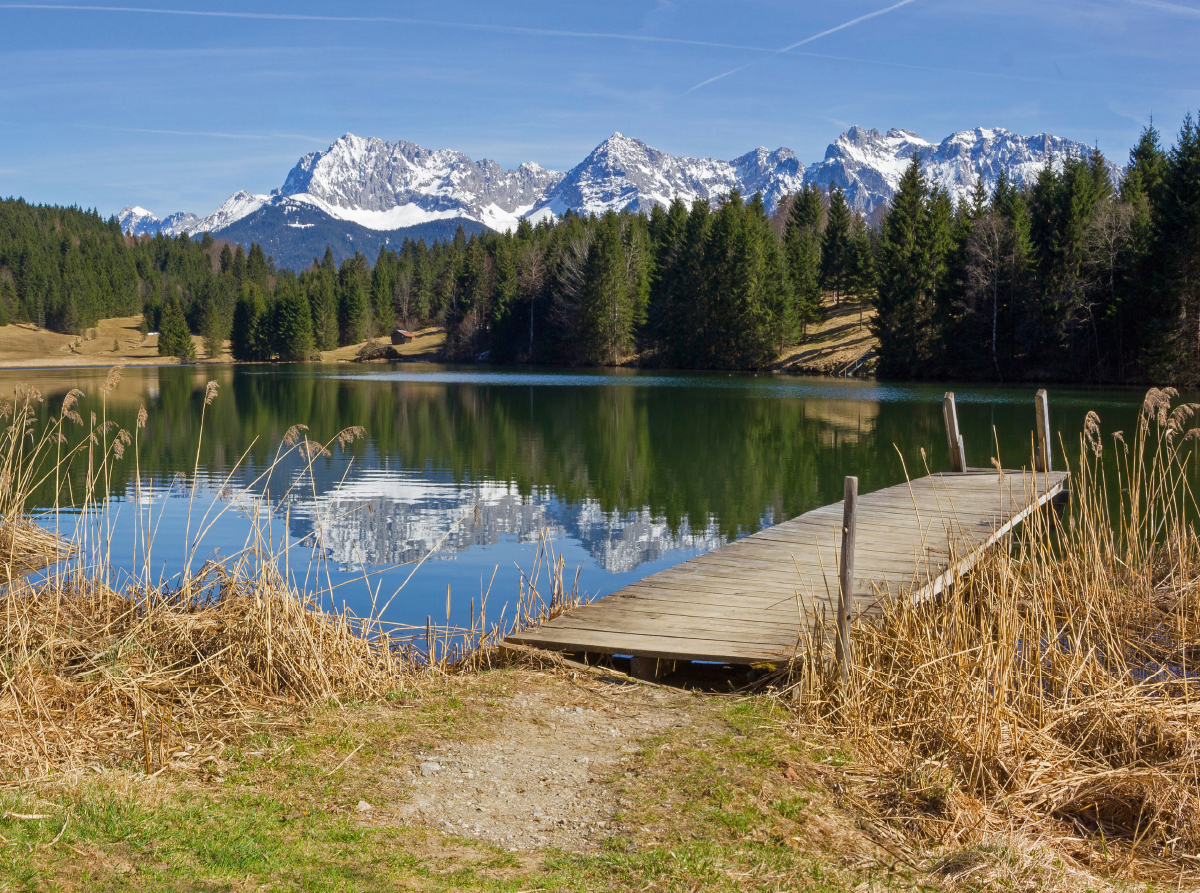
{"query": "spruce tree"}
pixel 908 279
pixel 802 248
pixel 237 267
pixel 861 281
pixel 612 303
pixel 835 244
pixel 251 335
pixel 1177 256
pixel 174 338
pixel 292 324
pixel 258 270
pixel 322 298
pixel 353 302
pixel 215 324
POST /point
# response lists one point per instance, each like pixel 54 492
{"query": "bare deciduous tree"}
pixel 987 250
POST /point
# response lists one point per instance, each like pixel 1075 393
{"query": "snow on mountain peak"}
pixel 137 221
pixel 868 166
pixel 385 186
pixel 371 174
pixel 625 172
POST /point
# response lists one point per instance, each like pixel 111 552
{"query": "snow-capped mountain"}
pixel 623 172
pixel 868 165
pixel 233 209
pixel 384 185
pixel 138 221
pixel 364 192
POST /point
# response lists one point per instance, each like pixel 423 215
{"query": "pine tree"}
pixel 292 323
pixel 613 297
pixel 174 338
pixel 251 335
pixel 322 298
pixel 353 303
pixel 861 280
pixel 802 248
pixel 909 272
pixel 835 244
pixel 215 325
pixel 1177 255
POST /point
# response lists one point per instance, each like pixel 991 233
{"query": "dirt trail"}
pixel 550 776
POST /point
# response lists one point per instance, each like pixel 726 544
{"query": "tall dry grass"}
pixel 1053 694
pixel 100 665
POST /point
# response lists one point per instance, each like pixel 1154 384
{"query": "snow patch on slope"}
pixel 233 209
pixel 385 186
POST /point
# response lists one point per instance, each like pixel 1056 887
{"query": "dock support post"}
pixel 1043 460
pixel 644 668
pixel 958 455
pixel 846 579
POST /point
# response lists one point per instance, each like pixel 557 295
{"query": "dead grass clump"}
pixel 97 676
pixel 1054 694
pixel 26 547
pixel 169 672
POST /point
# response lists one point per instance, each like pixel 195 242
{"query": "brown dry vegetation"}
pixel 843 337
pixel 1053 697
pixel 116 340
pixel 426 347
pixel 1035 730
pixel 97 675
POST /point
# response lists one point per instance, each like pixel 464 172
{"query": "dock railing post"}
pixel 846 580
pixel 958 455
pixel 1043 460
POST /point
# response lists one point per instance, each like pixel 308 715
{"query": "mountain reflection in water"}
pixel 628 472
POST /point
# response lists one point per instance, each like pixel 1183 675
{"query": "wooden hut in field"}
pixel 402 336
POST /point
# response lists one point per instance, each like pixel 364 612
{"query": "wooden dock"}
pixel 747 602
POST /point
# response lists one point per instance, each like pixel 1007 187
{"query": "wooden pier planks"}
pixel 747 601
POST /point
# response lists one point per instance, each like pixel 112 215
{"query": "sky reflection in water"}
pixel 628 472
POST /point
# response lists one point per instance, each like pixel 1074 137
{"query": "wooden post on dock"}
pixel 1043 460
pixel 958 455
pixel 846 579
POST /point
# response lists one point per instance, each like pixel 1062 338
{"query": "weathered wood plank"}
pixel 748 601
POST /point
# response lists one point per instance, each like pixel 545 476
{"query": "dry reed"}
pixel 157 674
pixel 1053 694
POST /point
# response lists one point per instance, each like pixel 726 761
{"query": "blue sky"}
pixel 107 106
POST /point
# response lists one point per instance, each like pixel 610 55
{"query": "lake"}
pixel 627 472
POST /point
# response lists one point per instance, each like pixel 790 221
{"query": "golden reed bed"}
pixel 1053 697
pixel 168 673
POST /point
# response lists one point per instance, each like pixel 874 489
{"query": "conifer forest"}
pixel 1072 277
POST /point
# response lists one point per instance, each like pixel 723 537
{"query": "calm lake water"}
pixel 628 472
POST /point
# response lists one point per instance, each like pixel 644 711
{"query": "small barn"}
pixel 402 336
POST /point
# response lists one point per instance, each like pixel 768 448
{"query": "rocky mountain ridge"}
pixel 389 188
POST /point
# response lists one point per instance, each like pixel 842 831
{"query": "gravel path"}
pixel 550 775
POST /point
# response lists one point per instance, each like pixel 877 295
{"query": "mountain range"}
pixel 364 192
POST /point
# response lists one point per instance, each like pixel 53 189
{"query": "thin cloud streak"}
pixel 1176 8
pixel 215 134
pixel 391 20
pixel 800 43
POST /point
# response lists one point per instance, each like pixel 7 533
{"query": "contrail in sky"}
pixel 392 20
pixel 1177 8
pixel 800 43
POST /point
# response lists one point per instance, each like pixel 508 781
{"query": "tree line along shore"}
pixel 1070 277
